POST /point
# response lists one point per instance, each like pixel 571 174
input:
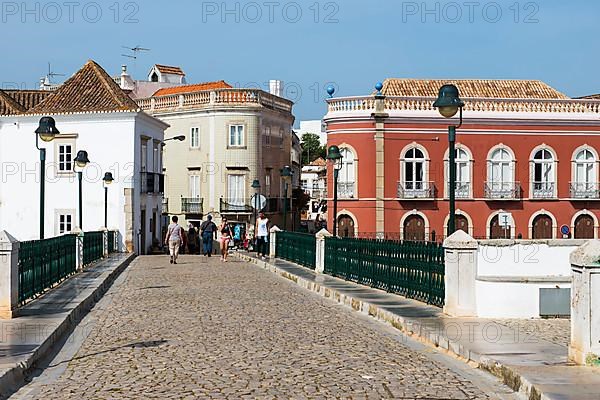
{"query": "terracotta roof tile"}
pixel 167 69
pixel 479 88
pixel 91 89
pixel 29 98
pixel 590 97
pixel 192 88
pixel 9 106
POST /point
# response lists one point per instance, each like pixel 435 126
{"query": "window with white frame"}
pixel 544 174
pixel 347 174
pixel 414 169
pixel 268 136
pixel 156 157
pixel 281 138
pixel 236 135
pixel 195 138
pixel 65 157
pixel 194 186
pixel 65 223
pixel 585 175
pixel 500 171
pixel 463 163
pixel 268 182
pixel 236 189
pixel 144 156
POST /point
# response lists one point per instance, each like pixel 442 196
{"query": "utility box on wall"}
pixel 555 302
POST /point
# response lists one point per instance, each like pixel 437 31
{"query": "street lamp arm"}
pixel 460 122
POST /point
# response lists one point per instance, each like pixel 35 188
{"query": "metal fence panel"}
pixel 411 269
pixel 93 247
pixel 299 248
pixel 44 263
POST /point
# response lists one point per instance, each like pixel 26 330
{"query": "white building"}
pixel 92 113
pixel 315 127
pixel 314 183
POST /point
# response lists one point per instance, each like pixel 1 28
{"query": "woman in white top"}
pixel 262 235
pixel 173 239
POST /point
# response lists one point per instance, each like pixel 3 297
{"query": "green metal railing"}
pixel 296 247
pixel 44 263
pixel 112 244
pixel 93 247
pixel 411 269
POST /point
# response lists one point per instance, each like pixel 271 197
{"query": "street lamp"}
pixel 286 173
pixel 335 157
pixel 448 104
pixel 179 138
pixel 81 161
pixel 107 180
pixel 45 131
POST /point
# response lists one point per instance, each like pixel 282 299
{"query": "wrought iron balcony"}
pixel 345 190
pixel 416 190
pixel 152 182
pixel 585 190
pixel 192 205
pixel 462 191
pixel 543 190
pixel 502 190
pixel 165 205
pixel 236 206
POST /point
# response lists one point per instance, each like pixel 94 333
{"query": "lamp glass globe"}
pixel 448 111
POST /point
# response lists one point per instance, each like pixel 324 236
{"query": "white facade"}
pixel 114 142
pixel 315 127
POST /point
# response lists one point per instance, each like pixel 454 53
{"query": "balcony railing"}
pixel 416 190
pixel 152 182
pixel 543 190
pixel 585 190
pixel 345 190
pixel 165 205
pixel 462 191
pixel 502 190
pixel 192 205
pixel 236 206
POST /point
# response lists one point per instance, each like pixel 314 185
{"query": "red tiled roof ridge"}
pixel 171 69
pixel 191 88
pixel 473 88
pixel 80 93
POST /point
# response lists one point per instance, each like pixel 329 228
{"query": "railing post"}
pixel 105 243
pixel 79 248
pixel 273 241
pixel 320 250
pixel 9 275
pixel 460 275
pixel 584 347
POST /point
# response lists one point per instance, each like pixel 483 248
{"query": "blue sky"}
pixel 352 43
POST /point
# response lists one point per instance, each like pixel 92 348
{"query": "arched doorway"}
pixel 497 231
pixel 584 227
pixel 541 227
pixel 414 228
pixel 345 226
pixel 461 223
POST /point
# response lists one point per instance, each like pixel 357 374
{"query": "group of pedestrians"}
pixel 176 237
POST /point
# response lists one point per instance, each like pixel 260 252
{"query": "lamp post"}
pixel 335 157
pixel 256 187
pixel 45 131
pixel 286 173
pixel 179 138
pixel 107 180
pixel 81 161
pixel 448 104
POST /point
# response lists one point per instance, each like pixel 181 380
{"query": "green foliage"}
pixel 311 148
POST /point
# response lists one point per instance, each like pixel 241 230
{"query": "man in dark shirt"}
pixel 209 230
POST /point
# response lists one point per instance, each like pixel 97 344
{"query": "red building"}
pixel 525 151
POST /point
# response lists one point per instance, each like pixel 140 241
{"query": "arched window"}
pixel 414 175
pixel 584 227
pixel 347 174
pixel 463 161
pixel 544 174
pixel 498 231
pixel 541 228
pixel 501 180
pixel 585 173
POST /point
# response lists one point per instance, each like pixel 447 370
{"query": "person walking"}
pixel 208 231
pixel 191 239
pixel 226 235
pixel 174 239
pixel 262 235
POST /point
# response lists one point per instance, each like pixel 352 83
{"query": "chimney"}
pixel 124 76
pixel 276 87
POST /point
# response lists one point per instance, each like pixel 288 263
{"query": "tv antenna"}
pixel 135 51
pixel 52 74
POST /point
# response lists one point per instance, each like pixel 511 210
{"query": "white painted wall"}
pixel 316 127
pixel 509 277
pixel 112 141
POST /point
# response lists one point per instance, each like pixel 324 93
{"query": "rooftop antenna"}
pixel 134 54
pixel 52 74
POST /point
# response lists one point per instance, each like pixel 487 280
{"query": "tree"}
pixel 311 148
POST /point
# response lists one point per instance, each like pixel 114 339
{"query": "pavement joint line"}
pixel 14 375
pixel 506 374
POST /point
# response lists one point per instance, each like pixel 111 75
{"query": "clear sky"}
pixel 310 43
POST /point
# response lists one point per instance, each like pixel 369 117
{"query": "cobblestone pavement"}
pixel 553 330
pixel 213 330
